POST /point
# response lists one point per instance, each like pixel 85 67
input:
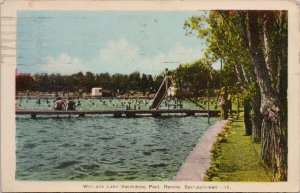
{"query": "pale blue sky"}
pixel 104 41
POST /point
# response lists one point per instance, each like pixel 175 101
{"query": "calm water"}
pixel 103 147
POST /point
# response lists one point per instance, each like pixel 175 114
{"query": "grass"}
pixel 235 157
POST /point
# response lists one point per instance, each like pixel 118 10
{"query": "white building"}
pixel 97 91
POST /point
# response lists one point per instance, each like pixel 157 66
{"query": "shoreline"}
pixel 198 161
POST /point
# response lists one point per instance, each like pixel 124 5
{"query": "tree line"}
pixel 116 83
pixel 192 77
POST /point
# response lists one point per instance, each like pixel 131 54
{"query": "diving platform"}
pixel 120 113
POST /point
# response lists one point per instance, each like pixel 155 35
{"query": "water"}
pixel 101 104
pixel 102 147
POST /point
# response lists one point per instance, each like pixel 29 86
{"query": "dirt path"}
pixel 196 164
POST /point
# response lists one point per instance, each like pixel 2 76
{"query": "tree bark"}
pixel 256 98
pixel 257 118
pixel 274 142
pixel 247 117
pixel 243 78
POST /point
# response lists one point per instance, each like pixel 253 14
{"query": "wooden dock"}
pixel 119 113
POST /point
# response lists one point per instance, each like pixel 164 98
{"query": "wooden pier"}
pixel 119 113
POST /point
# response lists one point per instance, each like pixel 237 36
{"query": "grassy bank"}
pixel 235 157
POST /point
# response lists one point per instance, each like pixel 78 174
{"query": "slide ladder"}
pixel 162 92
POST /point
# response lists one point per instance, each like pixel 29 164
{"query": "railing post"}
pixel 117 115
pixel 33 115
pixel 156 114
pixel 130 114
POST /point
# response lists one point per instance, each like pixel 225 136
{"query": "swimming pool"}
pixel 102 147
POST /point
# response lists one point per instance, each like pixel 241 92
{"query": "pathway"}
pixel 197 163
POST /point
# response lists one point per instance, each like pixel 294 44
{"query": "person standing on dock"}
pixel 59 105
pixel 71 104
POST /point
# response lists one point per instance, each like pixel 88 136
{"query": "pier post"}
pixel 156 114
pixel 190 113
pixel 81 115
pixel 130 114
pixel 117 115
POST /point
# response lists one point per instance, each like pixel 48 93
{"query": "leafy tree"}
pixel 150 83
pixel 157 82
pixel 259 62
pixel 144 84
pixel 78 80
pixel 119 83
pixel 103 80
pixel 192 78
pixel 273 88
pixel 88 81
pixel 134 80
pixel 24 82
pixel 222 29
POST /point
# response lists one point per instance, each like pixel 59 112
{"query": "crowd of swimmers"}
pixel 224 101
pixel 69 104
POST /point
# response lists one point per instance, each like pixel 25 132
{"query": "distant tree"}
pixel 119 83
pixel 134 81
pixel 43 82
pixel 150 83
pixel 88 81
pixel 144 84
pixel 192 78
pixel 78 80
pixel 157 82
pixel 24 82
pixel 103 80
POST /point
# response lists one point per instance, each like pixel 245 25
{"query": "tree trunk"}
pixel 256 118
pixel 274 143
pixel 247 117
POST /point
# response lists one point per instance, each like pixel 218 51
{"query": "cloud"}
pixel 117 56
pixel 123 56
pixel 119 50
pixel 178 55
pixel 63 64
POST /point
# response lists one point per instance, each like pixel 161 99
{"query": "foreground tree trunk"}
pixel 274 142
pixel 257 118
pixel 243 78
pixel 247 117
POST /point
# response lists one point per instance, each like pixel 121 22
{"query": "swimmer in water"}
pixel 59 104
pixel 71 104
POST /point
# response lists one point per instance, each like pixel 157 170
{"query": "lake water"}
pixel 102 147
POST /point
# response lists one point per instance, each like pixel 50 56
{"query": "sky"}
pixel 68 42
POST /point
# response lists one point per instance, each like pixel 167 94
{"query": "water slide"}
pixel 162 92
